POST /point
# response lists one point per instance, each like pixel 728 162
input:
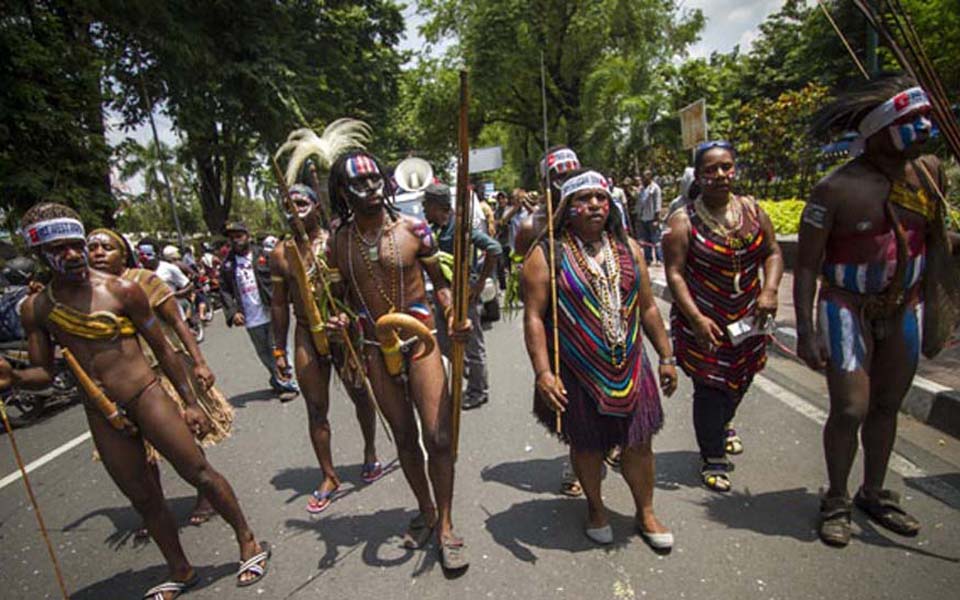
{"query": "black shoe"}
pixel 469 403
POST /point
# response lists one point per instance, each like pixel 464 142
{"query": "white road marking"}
pixel 45 459
pixel 899 464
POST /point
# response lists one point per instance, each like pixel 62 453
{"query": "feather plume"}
pixel 340 136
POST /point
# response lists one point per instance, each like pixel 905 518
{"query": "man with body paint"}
pixel 381 256
pixel 864 235
pixel 97 317
pixel 313 369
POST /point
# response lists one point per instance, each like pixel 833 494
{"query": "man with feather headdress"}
pixel 381 256
pixel 311 153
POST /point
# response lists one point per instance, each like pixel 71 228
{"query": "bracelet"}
pixel 279 353
pixel 669 361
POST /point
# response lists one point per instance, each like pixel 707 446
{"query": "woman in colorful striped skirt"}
pixel 714 250
pixel 606 394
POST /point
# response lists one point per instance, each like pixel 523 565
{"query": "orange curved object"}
pixel 388 329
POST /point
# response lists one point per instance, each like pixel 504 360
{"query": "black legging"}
pixel 713 408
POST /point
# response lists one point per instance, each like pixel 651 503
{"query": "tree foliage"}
pixel 52 144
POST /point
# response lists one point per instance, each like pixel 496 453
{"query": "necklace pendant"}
pixel 373 253
pixel 736 283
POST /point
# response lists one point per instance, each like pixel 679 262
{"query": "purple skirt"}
pixel 584 428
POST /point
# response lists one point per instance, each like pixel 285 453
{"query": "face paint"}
pixel 302 210
pixel 68 270
pixel 906 134
pixel 363 192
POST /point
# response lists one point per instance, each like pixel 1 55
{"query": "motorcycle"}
pixel 191 317
pixel 25 406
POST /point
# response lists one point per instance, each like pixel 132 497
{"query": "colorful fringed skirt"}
pixel 584 428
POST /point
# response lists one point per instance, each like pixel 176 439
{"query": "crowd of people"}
pixel 370 294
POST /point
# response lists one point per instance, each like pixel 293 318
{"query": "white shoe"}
pixel 658 541
pixel 601 535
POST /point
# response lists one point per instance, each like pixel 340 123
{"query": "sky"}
pixel 729 22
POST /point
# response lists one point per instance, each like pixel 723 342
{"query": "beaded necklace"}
pixel 604 280
pixel 731 235
pixel 396 283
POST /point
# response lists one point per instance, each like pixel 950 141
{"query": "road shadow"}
pixel 536 475
pixel 945 487
pixel 551 524
pixel 783 513
pixel 376 536
pixel 876 536
pixel 126 521
pixel 265 395
pixel 302 481
pixel 132 584
pixel 795 513
pixel 675 469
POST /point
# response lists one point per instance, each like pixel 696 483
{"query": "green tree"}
pixel 237 77
pixel 52 144
pixel 501 41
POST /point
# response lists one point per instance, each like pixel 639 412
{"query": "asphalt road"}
pixel 525 539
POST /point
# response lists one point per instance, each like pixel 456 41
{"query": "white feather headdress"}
pixel 339 137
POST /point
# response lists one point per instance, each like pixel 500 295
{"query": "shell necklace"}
pixel 604 280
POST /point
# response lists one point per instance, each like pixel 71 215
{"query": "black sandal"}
pixel 834 527
pixel 885 510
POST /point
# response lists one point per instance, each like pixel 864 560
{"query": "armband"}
pixel 276 279
pixel 815 215
pixel 668 361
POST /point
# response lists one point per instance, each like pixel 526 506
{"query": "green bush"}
pixel 785 214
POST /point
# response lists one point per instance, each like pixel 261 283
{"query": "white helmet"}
pixel 171 252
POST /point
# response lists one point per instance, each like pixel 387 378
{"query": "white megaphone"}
pixel 413 174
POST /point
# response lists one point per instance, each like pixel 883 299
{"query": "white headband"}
pixel 887 113
pixel 52 230
pixel 559 161
pixel 591 180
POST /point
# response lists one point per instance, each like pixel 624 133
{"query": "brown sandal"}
pixel 885 510
pixel 834 527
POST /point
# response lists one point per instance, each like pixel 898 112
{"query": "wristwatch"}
pixel 669 361
pixel 279 352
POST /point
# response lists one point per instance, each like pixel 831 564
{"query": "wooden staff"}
pixel 461 261
pixel 551 239
pixel 314 318
pixel 106 406
pixel 33 502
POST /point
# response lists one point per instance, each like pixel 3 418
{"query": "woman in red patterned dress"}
pixel 714 250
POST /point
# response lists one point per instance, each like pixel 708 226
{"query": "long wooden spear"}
pixel 33 501
pixel 551 239
pixel 461 260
